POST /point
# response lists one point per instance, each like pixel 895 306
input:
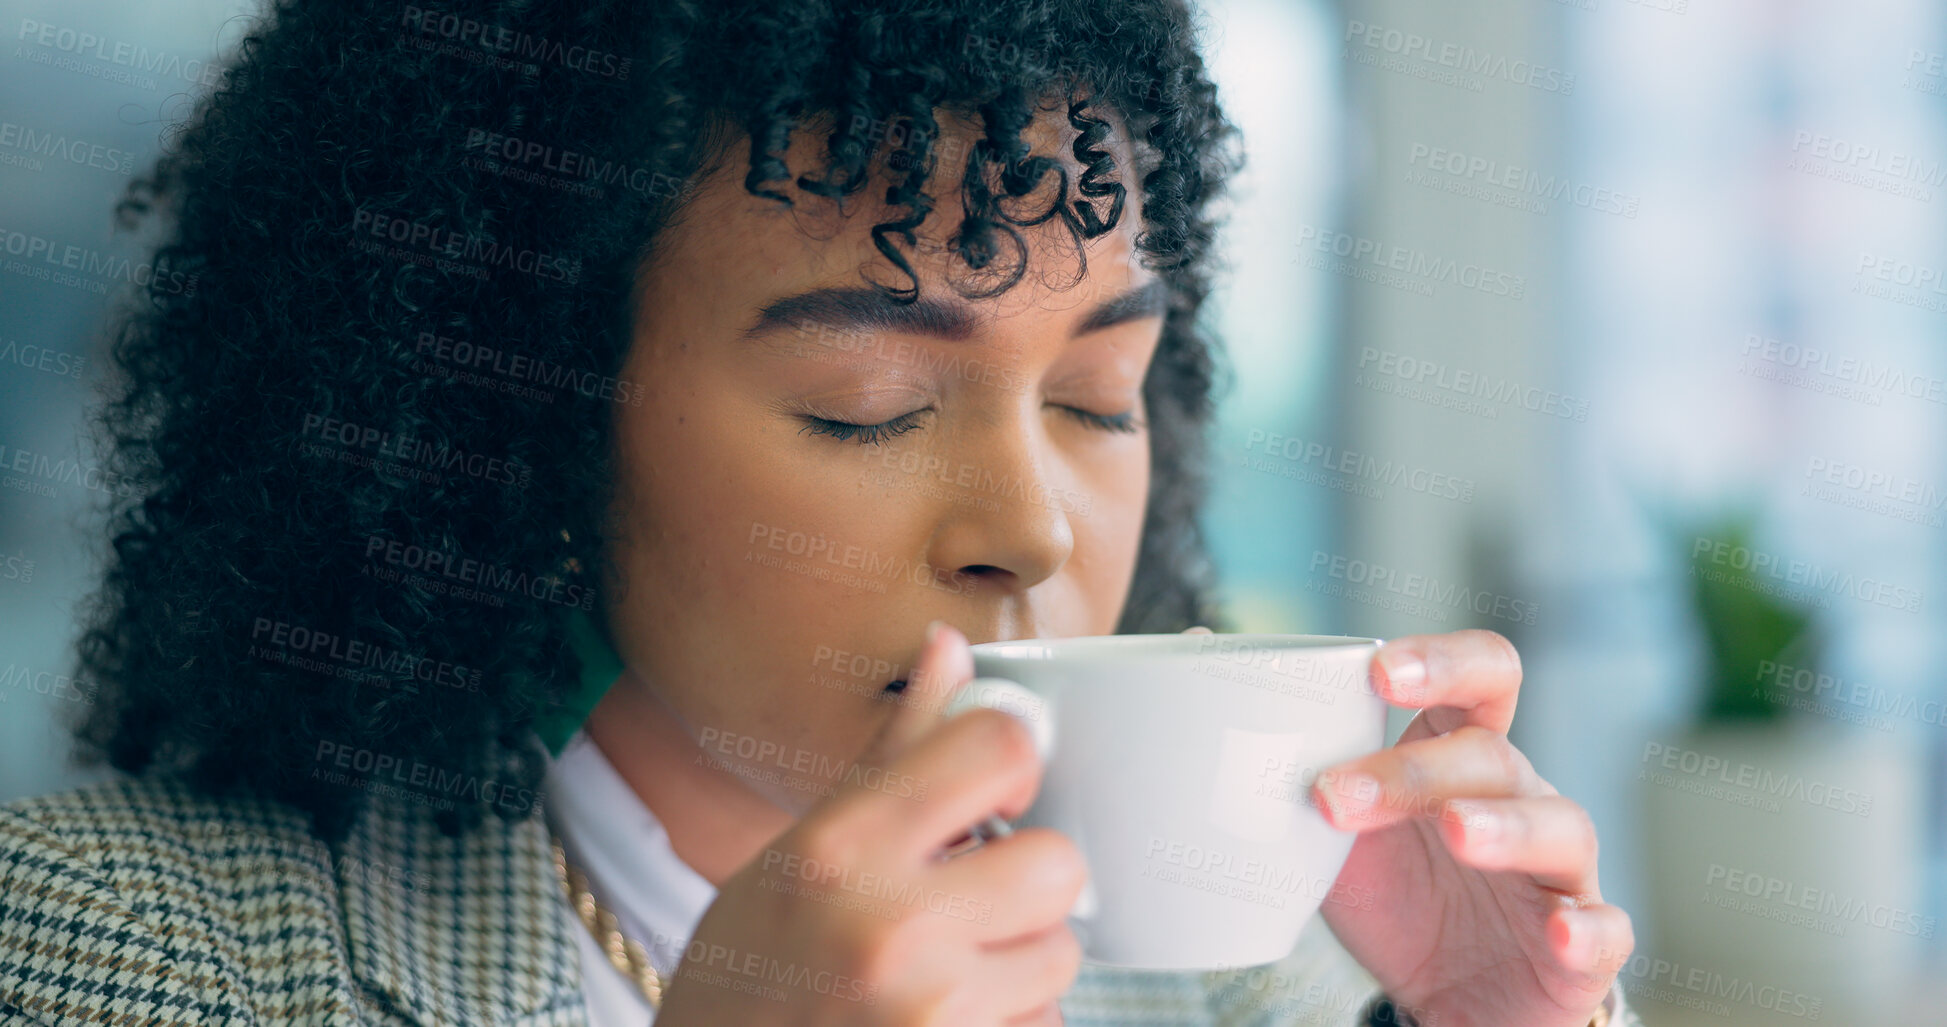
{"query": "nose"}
pixel 1003 520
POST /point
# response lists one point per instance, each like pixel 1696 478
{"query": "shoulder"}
pixel 128 827
pixel 159 844
pixel 197 900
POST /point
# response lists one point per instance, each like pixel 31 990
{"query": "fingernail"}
pixel 1405 675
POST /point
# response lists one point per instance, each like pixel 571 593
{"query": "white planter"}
pixel 1787 856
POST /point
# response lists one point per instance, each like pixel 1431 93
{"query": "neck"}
pixel 715 823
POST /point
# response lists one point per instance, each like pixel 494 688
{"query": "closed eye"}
pixel 1124 422
pixel 863 434
pixel 877 434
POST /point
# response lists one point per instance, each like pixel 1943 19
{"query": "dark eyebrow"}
pixel 860 309
pixel 1149 300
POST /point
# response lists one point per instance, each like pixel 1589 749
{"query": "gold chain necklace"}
pixel 624 953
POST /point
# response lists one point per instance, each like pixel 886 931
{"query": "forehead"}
pixel 735 246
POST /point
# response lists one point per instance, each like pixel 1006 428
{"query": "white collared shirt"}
pixel 613 838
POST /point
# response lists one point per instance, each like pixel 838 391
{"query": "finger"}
pixel 1198 630
pixel 972 765
pixel 1027 975
pixel 1416 778
pixel 944 664
pixel 1015 886
pixel 1592 943
pixel 1549 836
pixel 1474 671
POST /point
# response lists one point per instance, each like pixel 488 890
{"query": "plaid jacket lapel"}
pixel 467 931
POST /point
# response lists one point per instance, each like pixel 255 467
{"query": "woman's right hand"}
pixel 853 917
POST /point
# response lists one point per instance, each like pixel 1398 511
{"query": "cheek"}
pixel 1109 500
pixel 729 506
pixel 727 538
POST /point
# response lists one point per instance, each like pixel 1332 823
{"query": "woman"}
pixel 610 422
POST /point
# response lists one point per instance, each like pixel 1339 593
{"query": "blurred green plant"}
pixel 1747 630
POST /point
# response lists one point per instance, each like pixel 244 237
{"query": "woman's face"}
pixel 778 564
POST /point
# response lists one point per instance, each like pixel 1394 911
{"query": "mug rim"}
pixel 1119 647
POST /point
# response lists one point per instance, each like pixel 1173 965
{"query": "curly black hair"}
pixel 412 232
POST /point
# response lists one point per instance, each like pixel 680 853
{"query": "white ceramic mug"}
pixel 1182 767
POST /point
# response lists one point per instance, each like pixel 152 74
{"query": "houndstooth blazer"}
pixel 145 902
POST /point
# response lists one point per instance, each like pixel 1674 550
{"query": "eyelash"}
pixel 876 434
pixel 863 434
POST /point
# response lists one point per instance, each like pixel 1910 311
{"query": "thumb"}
pixel 944 664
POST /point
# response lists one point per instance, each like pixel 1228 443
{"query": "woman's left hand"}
pixel 1485 907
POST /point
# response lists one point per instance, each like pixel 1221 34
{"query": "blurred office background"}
pixel 1617 326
